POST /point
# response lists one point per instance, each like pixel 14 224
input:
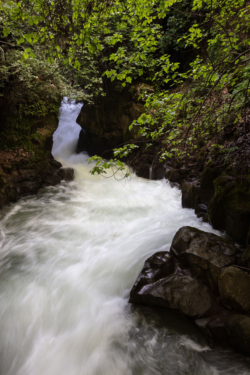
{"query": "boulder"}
pixel 234 288
pixel 203 253
pixel 66 174
pixel 189 192
pixel 196 278
pixel 162 283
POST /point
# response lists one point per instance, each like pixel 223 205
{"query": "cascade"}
pixel 69 257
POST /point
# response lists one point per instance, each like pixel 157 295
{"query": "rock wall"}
pixel 24 172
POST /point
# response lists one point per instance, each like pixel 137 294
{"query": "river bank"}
pixel 198 192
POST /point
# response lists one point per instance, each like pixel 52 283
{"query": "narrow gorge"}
pixel 69 258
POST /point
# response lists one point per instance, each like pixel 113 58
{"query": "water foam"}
pixel 69 257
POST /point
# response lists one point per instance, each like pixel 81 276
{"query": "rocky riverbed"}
pixel 200 277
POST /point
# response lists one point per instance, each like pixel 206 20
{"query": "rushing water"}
pixel 69 257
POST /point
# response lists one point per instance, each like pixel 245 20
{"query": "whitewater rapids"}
pixel 69 257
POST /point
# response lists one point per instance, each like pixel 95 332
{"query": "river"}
pixel 69 257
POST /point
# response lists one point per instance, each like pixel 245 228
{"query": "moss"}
pixel 26 133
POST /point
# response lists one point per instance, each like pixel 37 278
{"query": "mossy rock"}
pixel 32 134
pixel 230 208
pixel 234 288
pixel 160 283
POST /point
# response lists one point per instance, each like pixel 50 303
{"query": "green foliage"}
pixel 33 87
pixel 216 89
pixel 87 43
pixel 102 166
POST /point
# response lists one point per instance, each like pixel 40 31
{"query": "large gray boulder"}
pixel 203 253
pixel 162 283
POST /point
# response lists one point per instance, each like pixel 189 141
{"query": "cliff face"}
pixel 29 165
pixel 106 123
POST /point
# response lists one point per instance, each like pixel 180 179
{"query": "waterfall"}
pixel 69 257
pixel 151 172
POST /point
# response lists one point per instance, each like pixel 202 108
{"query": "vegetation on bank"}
pixel 194 54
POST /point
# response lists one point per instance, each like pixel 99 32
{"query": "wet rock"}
pixel 238 329
pixel 189 192
pixel 66 174
pixel 52 179
pixel 174 184
pixel 203 196
pixel 203 253
pixel 230 208
pixel 201 210
pixel 81 144
pixel 143 172
pixel 193 196
pixel 234 288
pixel 55 164
pixel 159 173
pixel 173 175
pixel 29 187
pixel 162 283
pixel 161 264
